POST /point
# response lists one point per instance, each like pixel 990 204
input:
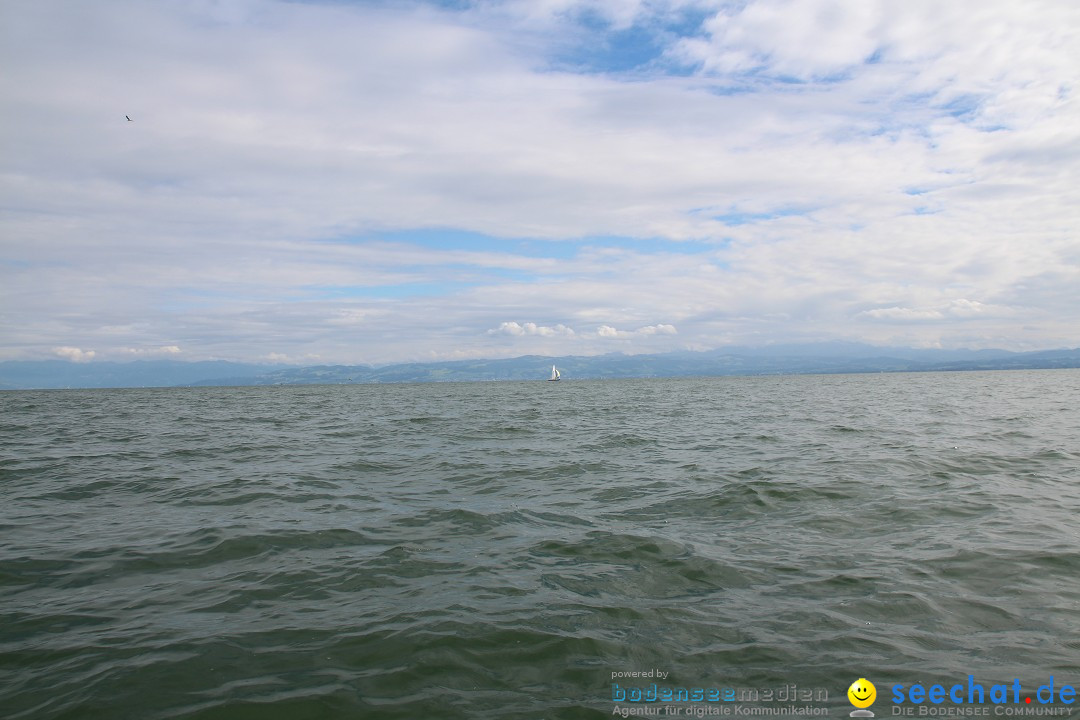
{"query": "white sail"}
pixel 554 374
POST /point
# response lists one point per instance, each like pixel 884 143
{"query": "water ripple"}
pixel 500 549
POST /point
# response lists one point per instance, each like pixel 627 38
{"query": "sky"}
pixel 376 182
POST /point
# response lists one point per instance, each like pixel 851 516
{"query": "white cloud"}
pixel 286 359
pixel 606 331
pixel 74 354
pixel 966 308
pixel 158 351
pixel 960 308
pixel 529 328
pixel 902 314
pixel 968 46
pixel 802 38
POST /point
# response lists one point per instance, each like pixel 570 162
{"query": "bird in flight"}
pixel 129 119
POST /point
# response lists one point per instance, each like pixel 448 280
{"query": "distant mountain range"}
pixel 815 358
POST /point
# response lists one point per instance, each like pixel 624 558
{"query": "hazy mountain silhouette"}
pixel 813 358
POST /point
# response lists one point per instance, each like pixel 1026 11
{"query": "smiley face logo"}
pixel 862 693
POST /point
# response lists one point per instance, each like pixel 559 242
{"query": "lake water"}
pixel 502 550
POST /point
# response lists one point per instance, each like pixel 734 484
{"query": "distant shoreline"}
pixel 740 362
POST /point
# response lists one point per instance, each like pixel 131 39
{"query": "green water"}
pixel 501 549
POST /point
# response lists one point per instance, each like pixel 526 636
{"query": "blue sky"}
pixel 374 182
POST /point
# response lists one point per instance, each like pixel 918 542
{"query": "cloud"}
pixel 513 328
pixel 285 359
pixel 902 314
pixel 163 350
pixel 969 50
pixel 801 39
pixel 960 308
pixel 658 330
pixel 74 354
pixel 966 308
pixel 606 331
pixel 572 341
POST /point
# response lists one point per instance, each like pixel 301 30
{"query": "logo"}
pixel 976 694
pixel 862 694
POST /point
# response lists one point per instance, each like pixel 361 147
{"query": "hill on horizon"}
pixel 810 358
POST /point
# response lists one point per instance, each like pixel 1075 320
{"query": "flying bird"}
pixel 129 119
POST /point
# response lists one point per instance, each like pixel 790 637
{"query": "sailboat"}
pixel 554 374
